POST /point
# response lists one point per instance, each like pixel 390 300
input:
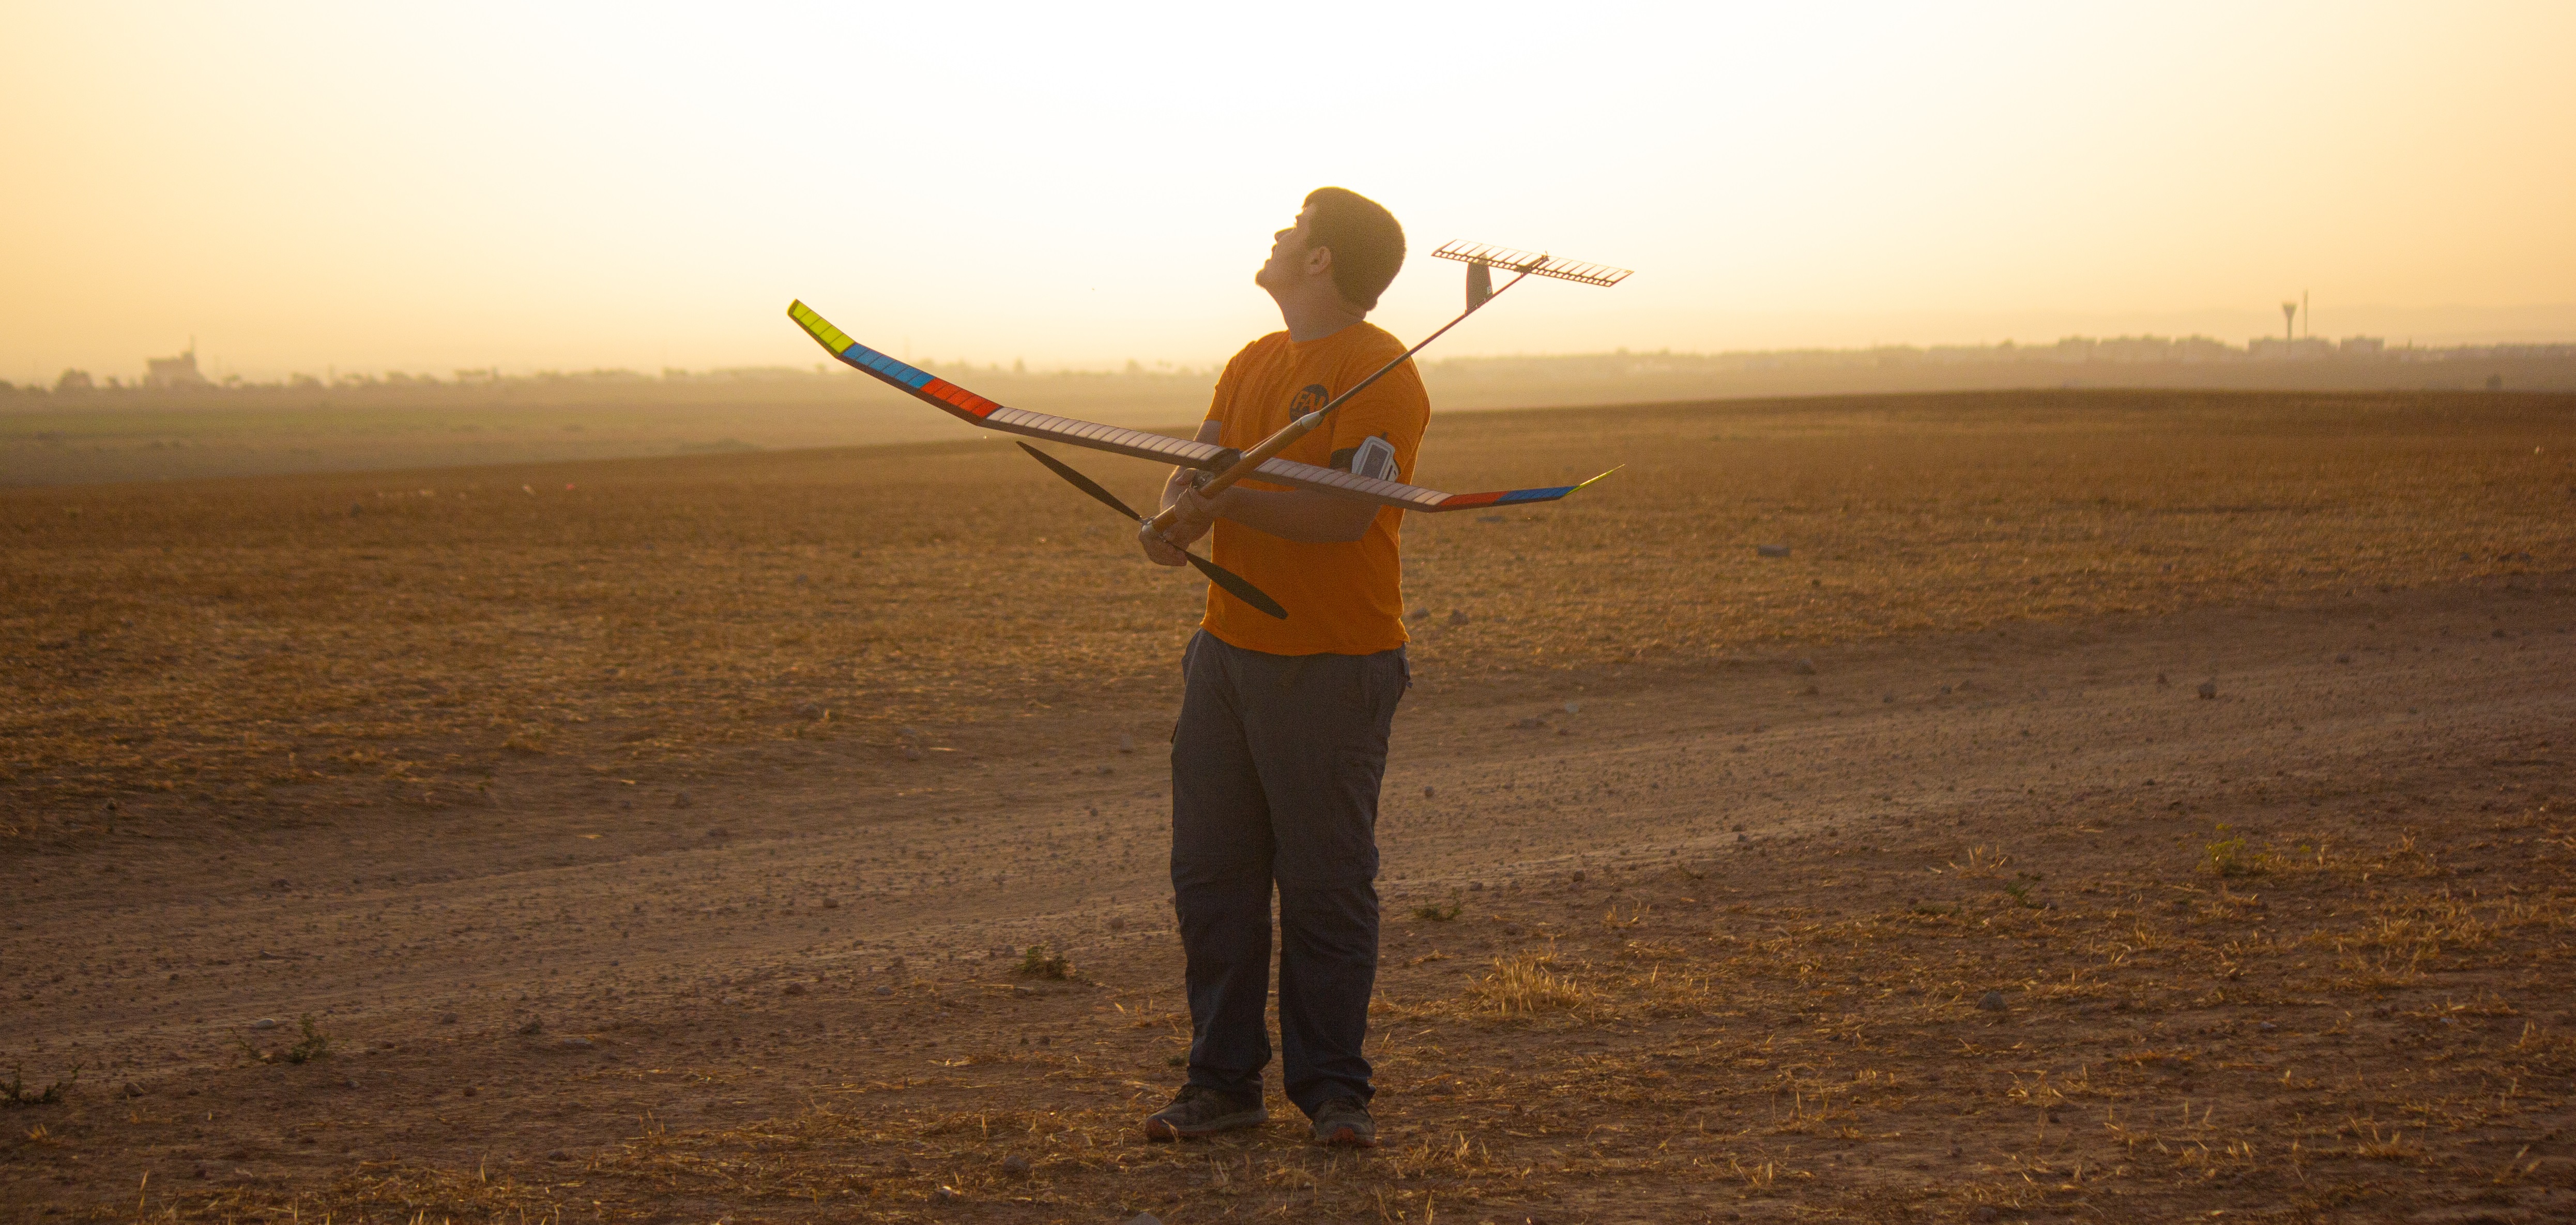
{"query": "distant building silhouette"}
pixel 166 373
pixel 2269 348
pixel 2298 340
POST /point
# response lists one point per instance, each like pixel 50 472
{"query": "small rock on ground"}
pixel 1992 1001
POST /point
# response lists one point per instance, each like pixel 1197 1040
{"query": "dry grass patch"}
pixel 1523 984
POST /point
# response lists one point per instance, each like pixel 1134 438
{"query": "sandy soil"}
pixel 666 840
pixel 368 648
pixel 129 435
pixel 569 1006
pixel 156 436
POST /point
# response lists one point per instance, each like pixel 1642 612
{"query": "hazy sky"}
pixel 426 187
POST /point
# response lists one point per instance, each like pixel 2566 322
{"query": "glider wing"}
pixel 973 409
pixel 1400 496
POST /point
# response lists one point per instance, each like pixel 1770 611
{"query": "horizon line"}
pixel 2130 349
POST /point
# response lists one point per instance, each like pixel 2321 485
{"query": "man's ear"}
pixel 1319 261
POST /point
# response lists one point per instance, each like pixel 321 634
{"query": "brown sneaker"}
pixel 1197 1111
pixel 1345 1123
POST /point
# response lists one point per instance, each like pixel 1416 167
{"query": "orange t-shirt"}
pixel 1342 597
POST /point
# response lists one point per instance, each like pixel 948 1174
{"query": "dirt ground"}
pixel 2220 870
pixel 136 435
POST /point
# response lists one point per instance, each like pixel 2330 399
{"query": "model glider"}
pixel 1226 465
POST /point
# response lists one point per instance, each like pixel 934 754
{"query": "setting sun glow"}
pixel 299 186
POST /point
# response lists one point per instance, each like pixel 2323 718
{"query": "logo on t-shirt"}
pixel 1309 398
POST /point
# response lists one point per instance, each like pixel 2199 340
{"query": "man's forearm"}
pixel 1301 515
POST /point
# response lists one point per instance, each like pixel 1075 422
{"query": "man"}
pixel 1283 729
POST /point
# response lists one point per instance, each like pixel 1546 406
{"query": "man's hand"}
pixel 1158 550
pixel 1197 514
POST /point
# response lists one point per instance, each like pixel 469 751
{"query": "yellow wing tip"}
pixel 1602 476
pixel 833 339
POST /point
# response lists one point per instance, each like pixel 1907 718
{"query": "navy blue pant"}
pixel 1275 771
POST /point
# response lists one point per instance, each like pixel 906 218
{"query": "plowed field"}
pixel 2112 806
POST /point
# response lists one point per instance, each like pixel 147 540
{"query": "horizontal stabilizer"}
pixel 1533 263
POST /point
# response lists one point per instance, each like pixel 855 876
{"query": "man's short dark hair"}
pixel 1367 244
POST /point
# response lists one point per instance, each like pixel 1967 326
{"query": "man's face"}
pixel 1288 248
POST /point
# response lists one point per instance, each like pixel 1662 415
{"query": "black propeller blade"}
pixel 1083 483
pixel 1219 575
pixel 1234 583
